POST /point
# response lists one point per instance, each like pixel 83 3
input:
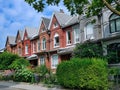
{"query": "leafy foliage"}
pixel 18 63
pixel 88 49
pixel 90 7
pixel 41 70
pixel 83 73
pixel 24 75
pixel 6 59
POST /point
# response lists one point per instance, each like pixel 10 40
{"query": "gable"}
pixel 54 23
pixel 25 36
pixel 18 38
pixel 7 42
pixel 42 27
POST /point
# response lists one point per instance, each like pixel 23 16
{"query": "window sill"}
pixel 56 46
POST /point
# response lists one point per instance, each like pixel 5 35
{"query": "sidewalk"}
pixel 26 86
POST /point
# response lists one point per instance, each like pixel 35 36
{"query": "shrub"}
pixel 83 73
pixel 41 70
pixel 6 59
pixel 24 75
pixel 18 63
pixel 88 49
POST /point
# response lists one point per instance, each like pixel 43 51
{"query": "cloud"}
pixel 16 14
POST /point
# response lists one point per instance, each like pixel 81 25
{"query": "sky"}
pixel 17 14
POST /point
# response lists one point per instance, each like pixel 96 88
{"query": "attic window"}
pixel 55 25
pixel 43 29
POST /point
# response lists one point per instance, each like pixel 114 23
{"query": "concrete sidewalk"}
pixel 26 86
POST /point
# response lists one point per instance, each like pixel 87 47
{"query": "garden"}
pixel 86 70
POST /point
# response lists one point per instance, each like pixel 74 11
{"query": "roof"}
pixel 21 34
pixel 46 21
pixel 64 19
pixel 11 40
pixel 61 17
pixel 32 32
pixel 71 21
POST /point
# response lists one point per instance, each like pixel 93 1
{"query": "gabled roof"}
pixel 61 17
pixel 21 33
pixel 46 22
pixel 11 40
pixel 71 21
pixel 64 20
pixel 31 32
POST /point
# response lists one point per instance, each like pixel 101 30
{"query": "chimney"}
pixel 61 11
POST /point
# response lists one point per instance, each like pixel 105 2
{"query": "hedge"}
pixel 85 74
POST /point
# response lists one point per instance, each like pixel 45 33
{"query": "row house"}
pixel 56 37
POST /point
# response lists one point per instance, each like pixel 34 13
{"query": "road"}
pixel 9 88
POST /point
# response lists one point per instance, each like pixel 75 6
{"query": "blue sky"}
pixel 17 14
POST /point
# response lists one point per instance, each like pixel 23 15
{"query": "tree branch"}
pixel 111 8
pixel 117 2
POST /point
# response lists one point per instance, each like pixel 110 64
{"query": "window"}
pixel 114 23
pixel 42 60
pixel 34 47
pixel 43 44
pixel 26 49
pixel 89 31
pixel 38 45
pixel 43 29
pixel 56 40
pixel 54 61
pixel 76 35
pixel 68 37
pixel 55 25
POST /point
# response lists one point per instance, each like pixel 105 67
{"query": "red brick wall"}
pixel 57 30
pixel 26 42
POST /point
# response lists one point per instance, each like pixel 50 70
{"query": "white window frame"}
pixel 87 30
pixel 26 49
pixel 42 60
pixel 43 44
pixel 68 42
pixel 76 37
pixel 54 63
pixel 34 44
pixel 56 44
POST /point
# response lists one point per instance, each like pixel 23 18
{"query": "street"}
pixel 9 88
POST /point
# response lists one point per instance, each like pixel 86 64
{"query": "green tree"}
pixel 6 59
pixel 91 7
pixel 88 49
pixel 19 63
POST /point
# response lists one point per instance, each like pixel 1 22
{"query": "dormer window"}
pixel 55 25
pixel 56 40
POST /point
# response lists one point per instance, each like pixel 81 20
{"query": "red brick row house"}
pixel 54 41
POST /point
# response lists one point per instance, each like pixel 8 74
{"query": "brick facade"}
pixel 56 38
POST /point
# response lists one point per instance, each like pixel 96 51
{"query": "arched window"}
pixel 114 23
pixel 89 34
pixel 56 40
pixel 43 44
